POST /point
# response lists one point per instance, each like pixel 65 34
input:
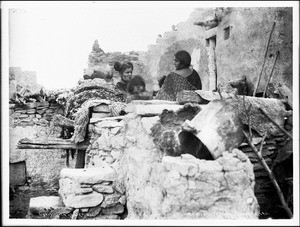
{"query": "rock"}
pixel 23 116
pixel 110 216
pixel 90 175
pixel 21 111
pixel 110 200
pixel 75 214
pixel 82 201
pixel 119 187
pixel 122 200
pixel 103 189
pixel 94 211
pixel 31 111
pixel 31 105
pixel 41 111
pixel 44 204
pixel 83 191
pixel 118 209
pixel 84 210
pixel 38 116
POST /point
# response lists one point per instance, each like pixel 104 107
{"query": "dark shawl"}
pixel 194 80
pixel 173 84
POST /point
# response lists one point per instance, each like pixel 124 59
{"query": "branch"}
pixel 270 174
pixel 281 129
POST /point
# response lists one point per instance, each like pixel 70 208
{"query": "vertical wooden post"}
pixel 212 64
pixel 80 159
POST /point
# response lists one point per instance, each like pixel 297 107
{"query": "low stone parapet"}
pixel 92 193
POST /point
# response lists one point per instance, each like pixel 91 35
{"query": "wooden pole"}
pixel 267 48
pixel 269 78
pixel 80 160
pixel 270 174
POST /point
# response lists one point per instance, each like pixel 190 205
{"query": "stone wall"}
pixel 126 176
pixel 89 194
pixel 164 187
pixel 101 61
pixel 43 166
pixel 19 79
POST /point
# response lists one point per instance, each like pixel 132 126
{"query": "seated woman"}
pixel 125 71
pixel 182 78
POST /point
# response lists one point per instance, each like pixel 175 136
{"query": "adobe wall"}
pixel 242 54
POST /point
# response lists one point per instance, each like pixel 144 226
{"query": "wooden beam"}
pixel 50 144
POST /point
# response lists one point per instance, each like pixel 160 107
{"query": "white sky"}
pixel 55 39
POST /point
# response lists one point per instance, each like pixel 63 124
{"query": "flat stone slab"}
pixel 89 175
pixel 46 204
pixel 103 189
pixel 82 201
pixel 153 109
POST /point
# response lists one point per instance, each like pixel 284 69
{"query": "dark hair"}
pixel 136 81
pixel 184 58
pixel 161 81
pixel 121 67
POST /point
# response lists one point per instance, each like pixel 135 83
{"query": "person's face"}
pixel 177 63
pixel 138 89
pixel 127 74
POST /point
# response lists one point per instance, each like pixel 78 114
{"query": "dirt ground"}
pixel 20 198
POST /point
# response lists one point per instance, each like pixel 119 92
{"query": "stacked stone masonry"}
pixel 164 187
pixel 126 176
pixel 84 194
pixel 34 113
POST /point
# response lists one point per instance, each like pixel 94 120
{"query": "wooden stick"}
pixel 258 81
pixel 269 78
pixel 67 158
pixel 281 129
pixel 270 174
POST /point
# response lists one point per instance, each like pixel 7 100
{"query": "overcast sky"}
pixel 55 38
